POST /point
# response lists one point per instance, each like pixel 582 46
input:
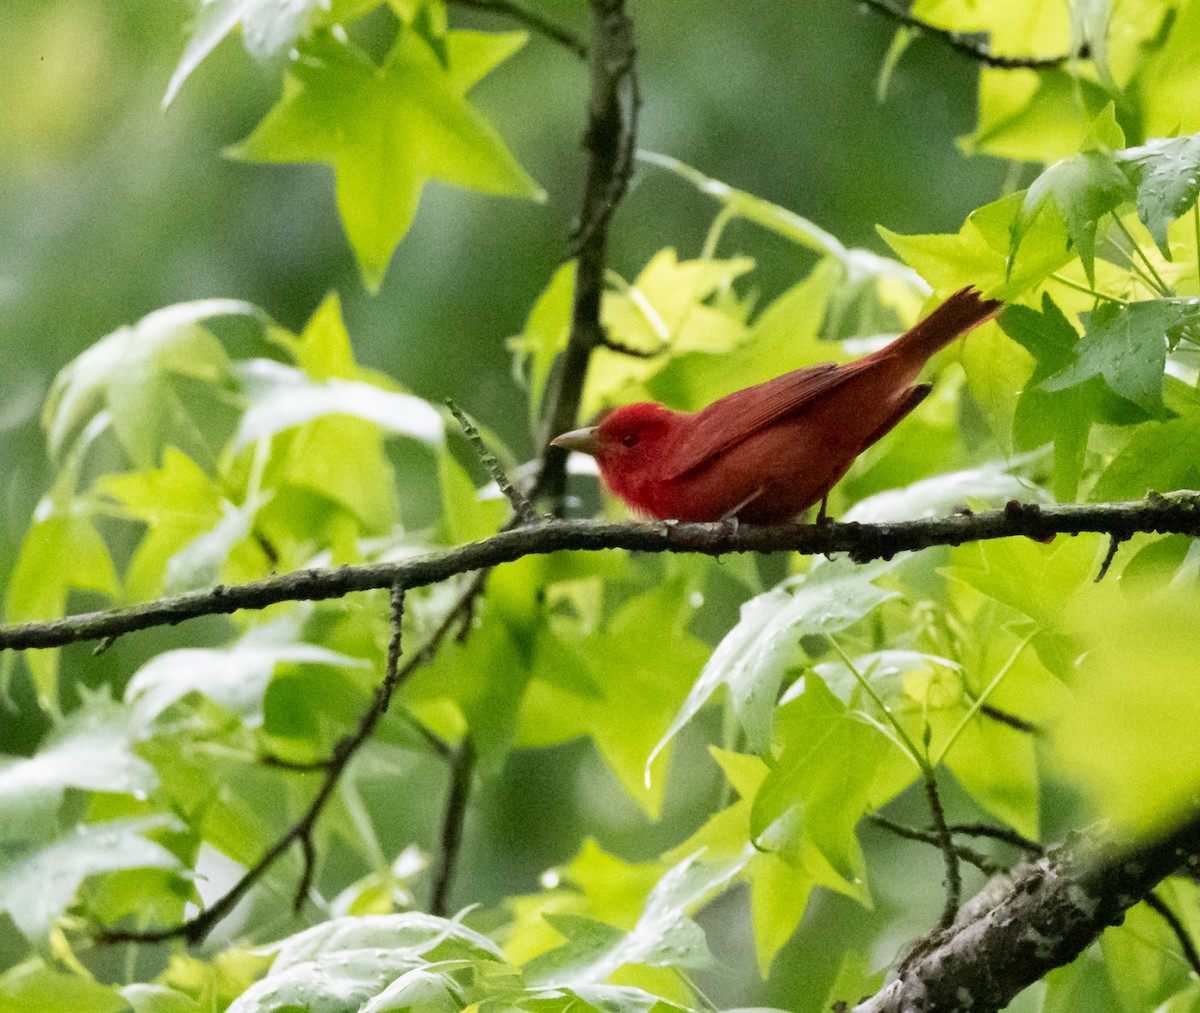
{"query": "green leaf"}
pixel 61 552
pixel 981 252
pixel 1083 189
pixel 643 653
pixel 1129 741
pixel 145 998
pixel 1159 456
pixel 413 935
pixel 338 982
pixel 597 999
pixel 269 27
pixel 1062 417
pixel 664 935
pixel 235 677
pixel 672 307
pixel 1034 118
pixel 177 502
pixel 752 658
pixel 387 130
pixel 545 335
pixel 130 372
pixel 820 786
pixel 779 889
pixel 282 398
pixel 1126 345
pixel 1165 172
pixel 91 749
pixel 36 887
pixel 34 987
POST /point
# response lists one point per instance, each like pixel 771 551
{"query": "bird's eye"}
pixel 629 440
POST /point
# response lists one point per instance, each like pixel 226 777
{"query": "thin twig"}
pixel 946 843
pixel 610 140
pixel 613 345
pixel 1178 513
pixel 966 46
pixel 969 855
pixel 1156 904
pixel 1114 542
pixel 520 504
pixel 530 20
pixel 195 929
pixel 1004 834
pixel 457 796
pixel 1012 720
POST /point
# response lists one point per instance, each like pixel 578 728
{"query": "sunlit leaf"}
pixel 36 887
pixel 1166 175
pixel 36 987
pixel 752 658
pixel 130 373
pixel 1127 346
pixel 1129 740
pixel 664 935
pixel 91 749
pixel 235 677
pixel 387 131
pixel 269 27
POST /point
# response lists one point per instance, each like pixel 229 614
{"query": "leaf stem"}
pixel 1087 291
pixel 1158 284
pixel 982 698
pixel 911 748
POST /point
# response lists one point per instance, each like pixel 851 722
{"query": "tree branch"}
pixel 1178 513
pixel 457 796
pixel 1039 916
pixel 610 141
pixel 195 929
pixel 964 45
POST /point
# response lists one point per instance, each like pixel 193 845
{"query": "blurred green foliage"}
pixel 222 370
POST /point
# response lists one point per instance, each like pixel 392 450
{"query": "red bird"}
pixel 764 454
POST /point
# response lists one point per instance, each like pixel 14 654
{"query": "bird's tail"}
pixel 962 312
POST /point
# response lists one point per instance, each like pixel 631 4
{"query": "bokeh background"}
pixel 111 207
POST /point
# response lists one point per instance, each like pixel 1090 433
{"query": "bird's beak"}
pixel 584 440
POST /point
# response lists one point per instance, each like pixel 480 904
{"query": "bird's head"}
pixel 627 444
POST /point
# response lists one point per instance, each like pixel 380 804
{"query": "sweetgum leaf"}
pixel 387 130
pixel 1127 346
pixel 1083 188
pixel 1165 173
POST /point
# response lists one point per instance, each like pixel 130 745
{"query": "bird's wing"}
pixel 725 423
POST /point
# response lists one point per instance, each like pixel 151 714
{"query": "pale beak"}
pixel 586 441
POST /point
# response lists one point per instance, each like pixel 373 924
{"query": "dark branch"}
pixel 946 843
pixel 1176 514
pixel 1160 907
pixel 609 342
pixel 1019 724
pixel 610 141
pixel 530 20
pixel 1039 916
pixel 522 508
pixel 457 796
pixel 195 929
pixel 1114 542
pixel 965 854
pixel 1004 834
pixel 966 46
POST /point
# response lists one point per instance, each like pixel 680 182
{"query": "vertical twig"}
pixel 458 795
pixel 946 842
pixel 610 143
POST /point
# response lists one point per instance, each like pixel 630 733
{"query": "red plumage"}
pixel 765 453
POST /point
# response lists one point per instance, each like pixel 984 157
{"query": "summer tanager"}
pixel 765 453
